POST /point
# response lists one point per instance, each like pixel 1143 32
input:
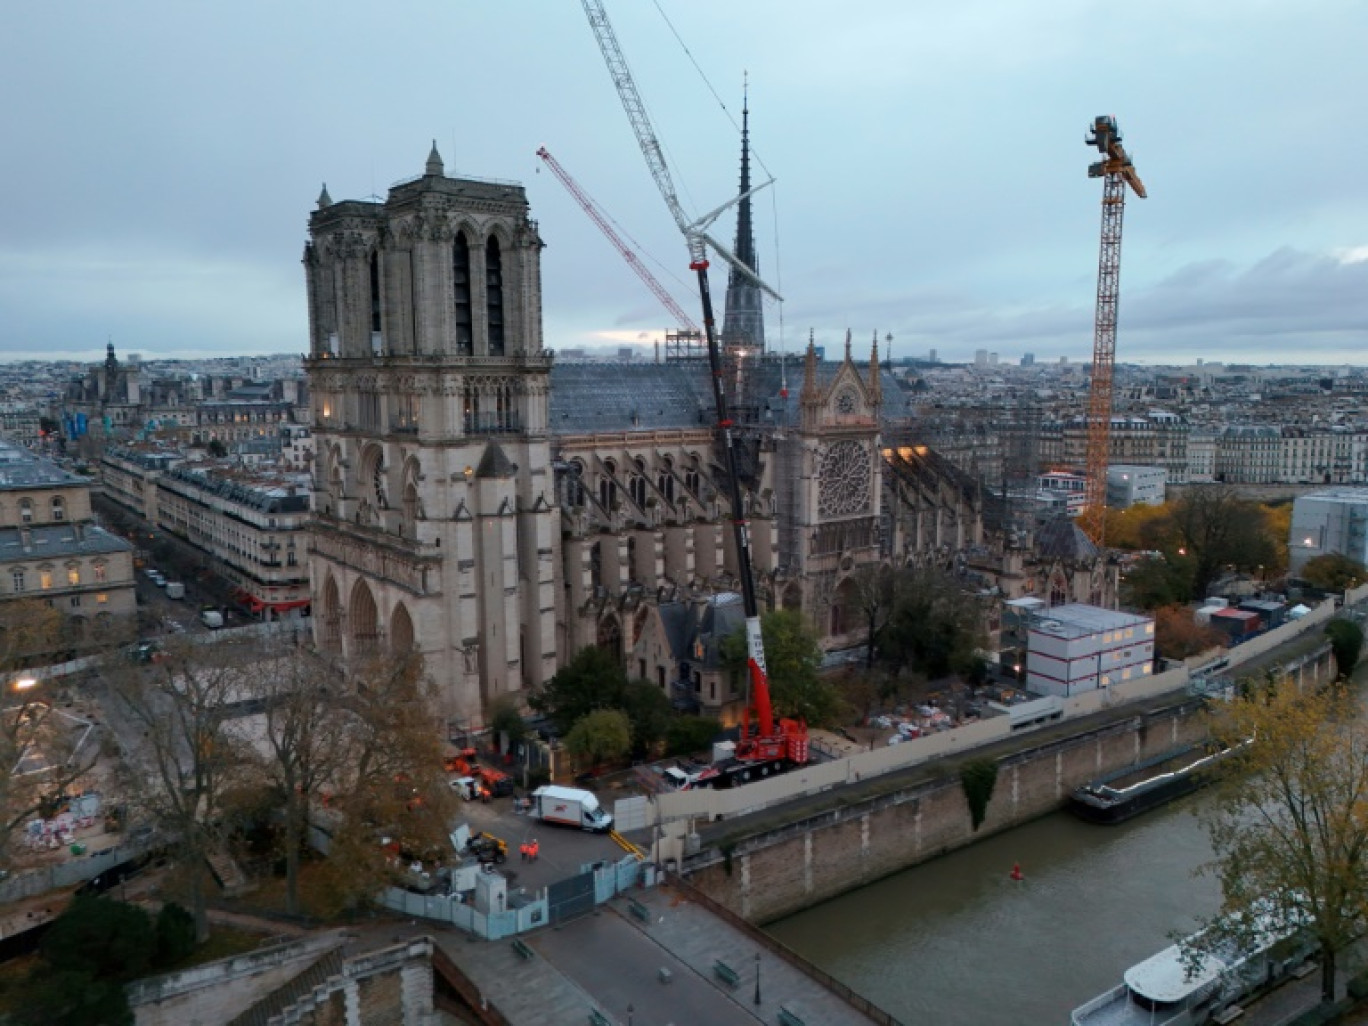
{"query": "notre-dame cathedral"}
pixel 498 511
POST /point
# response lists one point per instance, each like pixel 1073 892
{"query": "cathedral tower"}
pixel 434 527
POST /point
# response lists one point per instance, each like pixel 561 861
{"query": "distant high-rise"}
pixel 980 358
pixel 932 357
pixel 1028 359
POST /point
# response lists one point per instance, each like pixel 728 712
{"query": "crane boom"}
pixel 633 261
pixel 1117 172
pixel 789 741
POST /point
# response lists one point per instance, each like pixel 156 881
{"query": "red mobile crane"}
pixel 764 746
pixel 1117 172
pixel 597 216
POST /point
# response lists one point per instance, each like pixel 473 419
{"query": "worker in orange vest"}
pixel 534 849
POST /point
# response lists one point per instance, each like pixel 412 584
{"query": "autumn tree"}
pixel 393 784
pixel 1289 825
pixel 42 752
pixel 1179 634
pixel 1214 528
pixel 309 741
pixel 1334 572
pixel 186 764
pixel 1155 582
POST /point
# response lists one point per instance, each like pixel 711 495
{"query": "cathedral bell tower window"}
pixel 494 312
pixel 460 294
pixel 377 341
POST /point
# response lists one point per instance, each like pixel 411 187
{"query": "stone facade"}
pixel 435 523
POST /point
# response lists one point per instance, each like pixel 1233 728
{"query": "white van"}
pixel 212 619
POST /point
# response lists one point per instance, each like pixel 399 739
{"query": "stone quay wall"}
pixel 770 875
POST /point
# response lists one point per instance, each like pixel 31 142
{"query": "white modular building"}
pixel 1333 520
pixel 1076 647
pixel 1131 485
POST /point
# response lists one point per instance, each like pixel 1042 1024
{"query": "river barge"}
pixel 1117 796
pixel 1172 988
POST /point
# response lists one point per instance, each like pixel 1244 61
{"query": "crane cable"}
pixel 774 200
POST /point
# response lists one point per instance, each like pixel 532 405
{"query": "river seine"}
pixel 957 941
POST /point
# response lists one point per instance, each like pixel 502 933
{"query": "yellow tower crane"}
pixel 1117 172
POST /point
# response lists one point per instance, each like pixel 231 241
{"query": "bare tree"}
pixel 876 596
pixel 188 764
pixel 42 751
pixel 310 739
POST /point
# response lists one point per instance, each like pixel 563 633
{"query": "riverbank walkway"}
pixel 654 957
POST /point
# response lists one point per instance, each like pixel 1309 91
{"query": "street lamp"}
pixel 757 977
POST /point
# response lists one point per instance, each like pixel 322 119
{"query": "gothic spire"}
pixel 743 324
pixel 434 166
pixel 875 386
pixel 810 393
pixel 324 200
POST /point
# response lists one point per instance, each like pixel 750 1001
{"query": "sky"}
pixel 162 158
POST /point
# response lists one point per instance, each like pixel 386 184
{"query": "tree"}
pixel 604 735
pixel 792 659
pixel 1334 572
pixel 1346 640
pixel 1214 528
pixel 1179 634
pixel 506 718
pixel 648 713
pixel 936 627
pixel 876 590
pixel 310 738
pixel 1133 527
pixel 42 752
pixel 1289 825
pixel 1155 582
pixel 187 763
pixel 592 679
pixel 392 785
pixel 690 734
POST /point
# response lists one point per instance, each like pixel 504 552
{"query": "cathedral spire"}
pixel 875 386
pixel 810 393
pixel 434 166
pixel 743 323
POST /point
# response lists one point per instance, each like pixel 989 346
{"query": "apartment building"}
pixel 52 551
pixel 1331 521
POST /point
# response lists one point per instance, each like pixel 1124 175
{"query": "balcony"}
pixel 492 423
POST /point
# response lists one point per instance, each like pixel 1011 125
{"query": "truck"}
pixel 570 806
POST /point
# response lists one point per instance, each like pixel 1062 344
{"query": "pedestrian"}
pixel 536 848
pixel 523 850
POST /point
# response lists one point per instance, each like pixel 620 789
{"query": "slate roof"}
pixel 20 469
pixel 1061 538
pixel 593 397
pixel 57 541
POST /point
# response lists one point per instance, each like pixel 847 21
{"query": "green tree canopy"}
pixel 936 627
pixel 592 679
pixel 792 658
pixel 1334 572
pixel 1346 639
pixel 690 734
pixel 1213 528
pixel 1289 824
pixel 604 735
pixel 110 940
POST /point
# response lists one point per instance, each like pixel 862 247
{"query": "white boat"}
pixel 1168 990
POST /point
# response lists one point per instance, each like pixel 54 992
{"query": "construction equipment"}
pixel 1117 172
pixel 599 218
pixel 766 742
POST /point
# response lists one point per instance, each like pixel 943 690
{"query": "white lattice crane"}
pixel 788 739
